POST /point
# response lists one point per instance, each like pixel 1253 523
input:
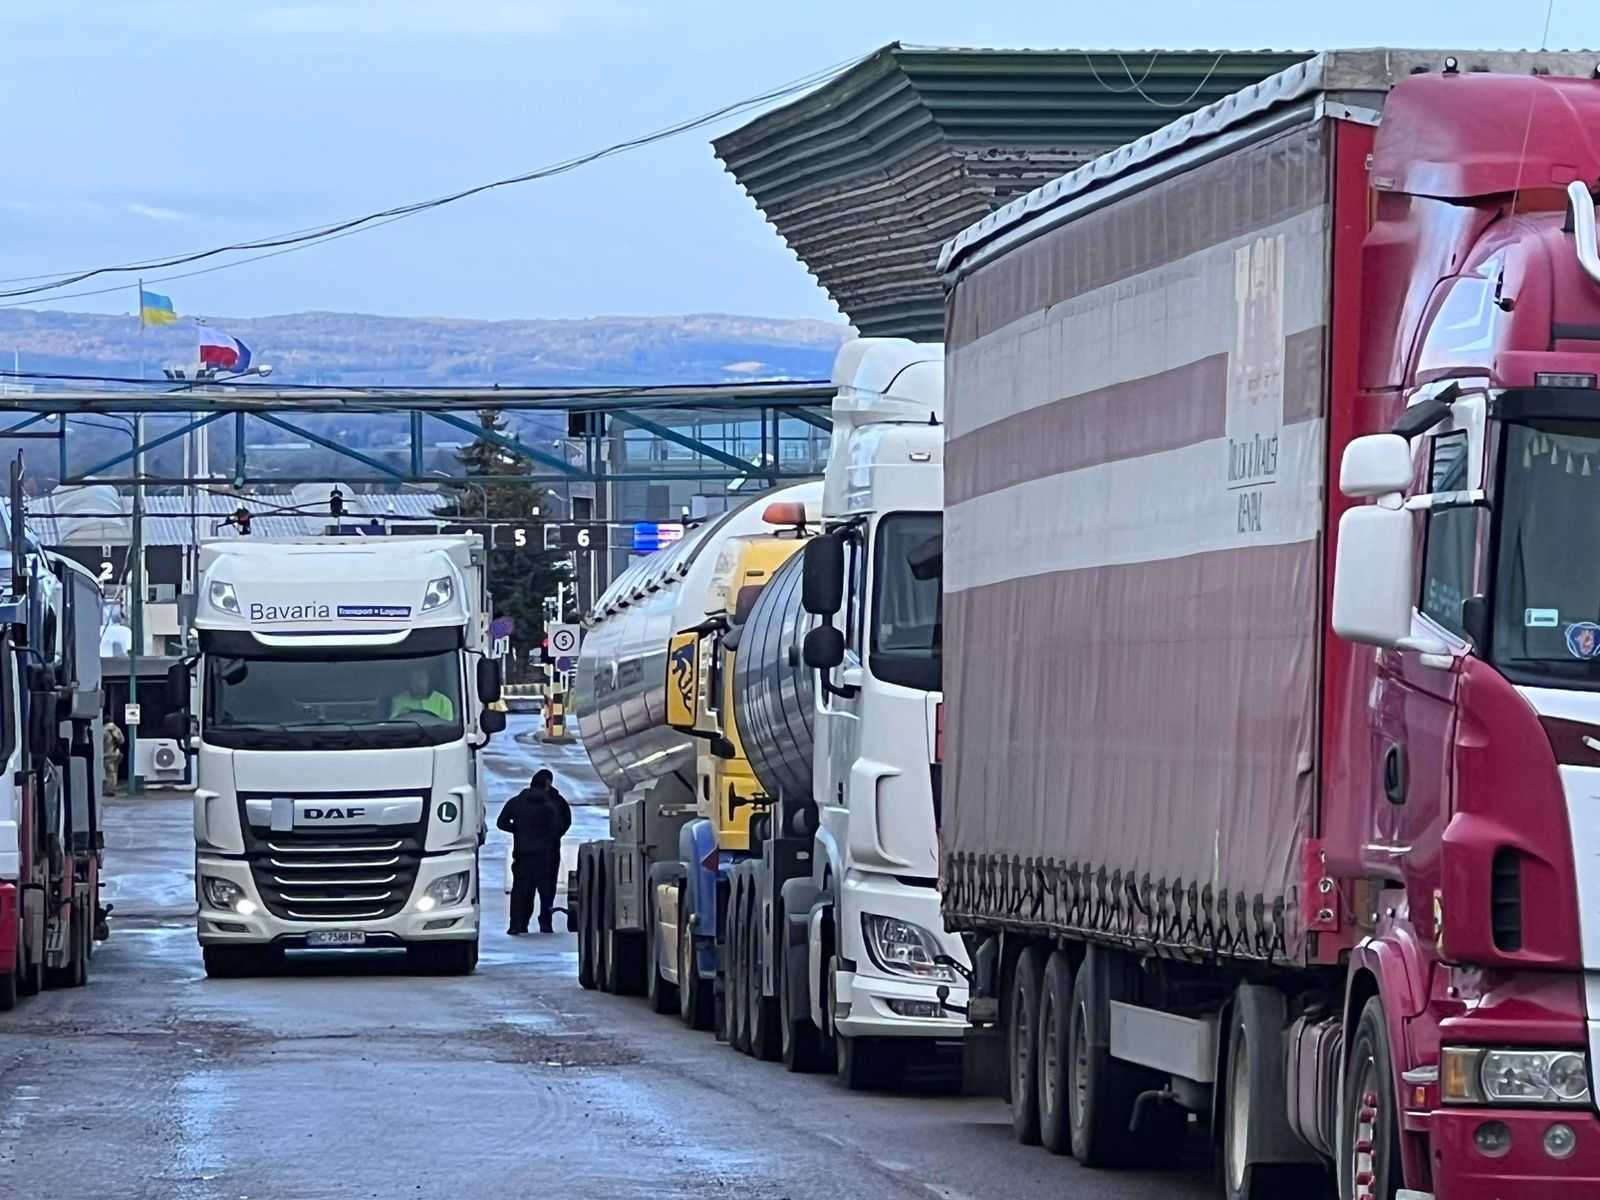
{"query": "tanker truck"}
pixel 1274 706
pixel 796 910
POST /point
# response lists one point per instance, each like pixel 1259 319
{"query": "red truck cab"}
pixel 1468 741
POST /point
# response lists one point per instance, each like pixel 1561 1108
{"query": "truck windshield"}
pixel 352 702
pixel 906 602
pixel 1547 571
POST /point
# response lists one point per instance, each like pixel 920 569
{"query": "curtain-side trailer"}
pixel 1307 372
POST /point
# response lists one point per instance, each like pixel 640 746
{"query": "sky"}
pixel 135 128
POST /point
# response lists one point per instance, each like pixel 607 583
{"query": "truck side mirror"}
pixel 822 581
pixel 488 680
pixel 175 725
pixel 1373 576
pixel 823 648
pixel 178 686
pixel 1378 464
pixel 492 721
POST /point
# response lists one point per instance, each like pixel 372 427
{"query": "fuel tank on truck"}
pixel 621 695
pixel 772 686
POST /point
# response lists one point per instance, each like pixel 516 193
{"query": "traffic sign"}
pixel 565 665
pixel 564 640
pixel 590 536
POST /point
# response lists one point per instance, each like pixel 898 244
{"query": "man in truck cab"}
pixel 422 697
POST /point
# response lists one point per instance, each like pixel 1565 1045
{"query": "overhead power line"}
pixel 313 235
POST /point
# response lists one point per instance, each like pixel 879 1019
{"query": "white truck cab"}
pixel 877 651
pixel 340 695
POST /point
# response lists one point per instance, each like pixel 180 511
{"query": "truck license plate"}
pixel 335 937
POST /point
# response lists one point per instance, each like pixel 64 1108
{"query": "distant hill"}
pixel 356 349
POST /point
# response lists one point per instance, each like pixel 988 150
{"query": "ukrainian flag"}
pixel 156 309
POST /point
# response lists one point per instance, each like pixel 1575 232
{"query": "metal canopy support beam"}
pixel 819 420
pixel 141 447
pixel 330 444
pixel 505 443
pixel 682 439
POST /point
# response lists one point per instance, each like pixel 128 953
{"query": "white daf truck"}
pixel 339 701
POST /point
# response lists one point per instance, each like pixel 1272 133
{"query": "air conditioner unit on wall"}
pixel 161 760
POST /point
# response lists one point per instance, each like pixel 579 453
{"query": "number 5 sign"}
pixel 564 640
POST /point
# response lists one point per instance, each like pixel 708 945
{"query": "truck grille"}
pixel 355 873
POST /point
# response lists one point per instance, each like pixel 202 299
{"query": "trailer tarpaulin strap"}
pixel 1134 479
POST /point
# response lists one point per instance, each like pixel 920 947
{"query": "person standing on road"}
pixel 536 818
pixel 111 755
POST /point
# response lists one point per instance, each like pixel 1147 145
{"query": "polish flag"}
pixel 224 353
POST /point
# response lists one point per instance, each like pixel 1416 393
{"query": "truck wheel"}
pixel 623 955
pixel 444 958
pixel 30 976
pixel 602 934
pixel 738 984
pixel 1022 1038
pixel 1369 1130
pixel 694 993
pixel 228 962
pixel 860 1062
pixel 1055 1023
pixel 1258 1147
pixel 587 978
pixel 1101 1091
pixel 763 1017
pixel 800 1045
pixel 663 996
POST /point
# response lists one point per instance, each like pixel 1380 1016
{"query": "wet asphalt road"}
pixel 350 1078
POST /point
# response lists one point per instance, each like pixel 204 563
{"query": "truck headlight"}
pixel 1523 1077
pixel 445 891
pixel 438 593
pixel 903 948
pixel 223 597
pixel 224 893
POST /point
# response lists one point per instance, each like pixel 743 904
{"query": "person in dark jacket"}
pixel 536 818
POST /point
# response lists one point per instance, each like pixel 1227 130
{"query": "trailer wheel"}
pixel 624 962
pixel 663 996
pixel 1369 1129
pixel 8 991
pixel 1022 1041
pixel 1055 1026
pixel 1101 1090
pixel 694 993
pixel 587 976
pixel 602 931
pixel 799 1043
pixel 764 1038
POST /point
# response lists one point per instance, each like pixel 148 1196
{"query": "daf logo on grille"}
pixel 333 814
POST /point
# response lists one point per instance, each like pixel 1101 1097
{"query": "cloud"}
pixel 152 213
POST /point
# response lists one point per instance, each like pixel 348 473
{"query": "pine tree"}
pixel 520 577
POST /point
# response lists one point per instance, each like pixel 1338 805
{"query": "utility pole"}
pixel 136 608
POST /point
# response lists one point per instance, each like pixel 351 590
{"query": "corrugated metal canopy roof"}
pixel 868 175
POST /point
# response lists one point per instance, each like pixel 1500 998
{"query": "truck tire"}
pixel 799 1042
pixel 624 962
pixel 861 1063
pixel 1101 1091
pixel 1055 1024
pixel 1258 1148
pixel 587 975
pixel 763 1019
pixel 694 993
pixel 663 996
pixel 1367 1116
pixel 229 962
pixel 1022 1044
pixel 738 981
pixel 602 931
pixel 30 976
pixel 444 958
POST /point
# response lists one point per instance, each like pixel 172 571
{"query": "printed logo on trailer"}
pixel 1254 419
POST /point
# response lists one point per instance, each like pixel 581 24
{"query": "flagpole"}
pixel 140 302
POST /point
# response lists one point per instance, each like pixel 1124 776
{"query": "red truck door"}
pixel 1414 713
